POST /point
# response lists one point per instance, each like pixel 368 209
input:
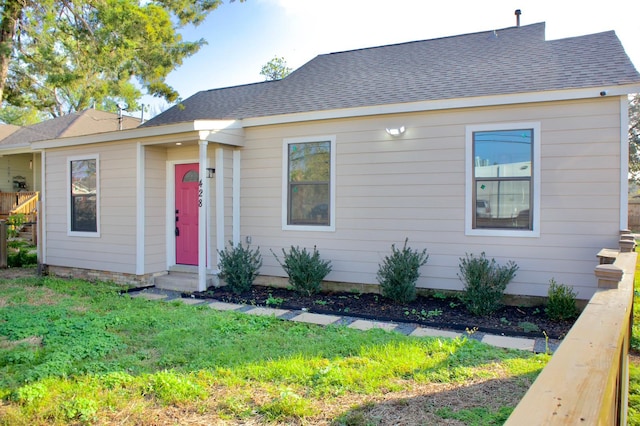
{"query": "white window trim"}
pixel 332 184
pixel 71 233
pixel 469 202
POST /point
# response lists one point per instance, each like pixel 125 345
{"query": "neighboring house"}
pixel 498 142
pixel 17 159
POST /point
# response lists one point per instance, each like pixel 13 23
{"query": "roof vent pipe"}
pixel 518 13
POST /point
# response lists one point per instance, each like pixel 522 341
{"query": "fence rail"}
pixel 27 206
pixel 10 200
pixel 586 380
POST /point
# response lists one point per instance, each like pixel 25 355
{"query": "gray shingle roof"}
pixel 211 104
pixel 507 61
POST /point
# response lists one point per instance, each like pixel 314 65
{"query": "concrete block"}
pixel 316 318
pixel 434 332
pixel 368 325
pixel 509 342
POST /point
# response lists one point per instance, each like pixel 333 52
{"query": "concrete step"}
pixel 182 281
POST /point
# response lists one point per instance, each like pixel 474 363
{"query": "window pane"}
pixel 503 204
pixel 83 218
pixel 505 153
pixel 191 176
pixel 309 204
pixel 308 188
pixel 309 162
pixel 83 196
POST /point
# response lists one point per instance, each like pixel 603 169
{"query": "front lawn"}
pixel 75 352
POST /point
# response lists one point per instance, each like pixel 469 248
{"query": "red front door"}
pixel 187 178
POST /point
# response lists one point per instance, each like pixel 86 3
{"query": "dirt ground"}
pixel 431 311
pixel 12 273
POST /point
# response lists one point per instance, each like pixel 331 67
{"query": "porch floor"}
pixel 182 278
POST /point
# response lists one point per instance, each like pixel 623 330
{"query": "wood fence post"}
pixel 609 276
pixel 3 244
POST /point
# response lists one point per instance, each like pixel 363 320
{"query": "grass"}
pixel 634 367
pixel 73 352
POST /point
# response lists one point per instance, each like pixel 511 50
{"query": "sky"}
pixel 243 36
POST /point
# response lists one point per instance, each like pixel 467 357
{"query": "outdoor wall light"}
pixel 395 131
pixel 211 173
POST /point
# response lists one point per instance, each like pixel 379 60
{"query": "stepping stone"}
pixel 368 325
pixel 316 318
pixel 509 342
pixel 434 332
pixel 189 300
pixel 266 311
pixel 223 306
pixel 150 296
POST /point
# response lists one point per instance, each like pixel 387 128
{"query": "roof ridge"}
pixel 233 87
pixel 76 115
pixel 522 27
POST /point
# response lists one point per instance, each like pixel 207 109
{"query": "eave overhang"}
pixel 226 132
pixel 442 104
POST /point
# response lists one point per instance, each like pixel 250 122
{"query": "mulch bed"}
pixel 438 312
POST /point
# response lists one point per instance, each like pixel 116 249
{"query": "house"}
pixel 20 166
pixel 500 142
pixel 15 141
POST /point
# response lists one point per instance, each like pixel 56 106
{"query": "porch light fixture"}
pixel 395 131
pixel 210 173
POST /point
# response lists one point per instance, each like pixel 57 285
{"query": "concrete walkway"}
pixel 523 343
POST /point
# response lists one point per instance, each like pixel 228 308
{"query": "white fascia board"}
pixel 195 127
pixel 494 100
pixel 213 125
pixel 229 136
pixel 16 150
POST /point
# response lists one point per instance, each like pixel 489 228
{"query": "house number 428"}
pixel 200 193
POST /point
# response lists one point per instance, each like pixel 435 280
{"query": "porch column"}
pixel 203 213
pixel 220 236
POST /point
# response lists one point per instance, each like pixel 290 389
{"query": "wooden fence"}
pixel 10 200
pixel 28 206
pixel 586 380
pixel 633 221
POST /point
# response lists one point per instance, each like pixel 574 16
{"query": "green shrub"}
pixel 20 253
pixel 399 273
pixel 239 266
pixel 561 302
pixel 15 223
pixel 484 283
pixel 21 257
pixel 305 270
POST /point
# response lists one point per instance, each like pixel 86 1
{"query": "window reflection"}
pixel 502 173
pixel 84 196
pixel 308 183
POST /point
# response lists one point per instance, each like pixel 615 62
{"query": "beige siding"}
pixel 155 209
pixel 414 186
pixel 114 250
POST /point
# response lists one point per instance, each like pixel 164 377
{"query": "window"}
pixel 502 180
pixel 83 195
pixel 308 191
